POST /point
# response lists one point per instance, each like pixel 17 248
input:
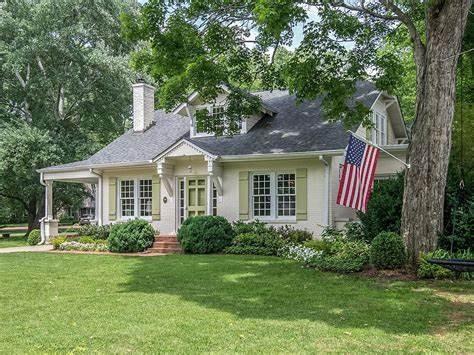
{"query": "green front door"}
pixel 196 188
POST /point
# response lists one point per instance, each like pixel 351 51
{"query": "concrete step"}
pixel 166 238
pixel 161 244
pixel 165 250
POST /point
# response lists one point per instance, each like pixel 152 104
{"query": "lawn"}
pixel 15 240
pixel 99 303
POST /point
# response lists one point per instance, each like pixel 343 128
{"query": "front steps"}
pixel 165 244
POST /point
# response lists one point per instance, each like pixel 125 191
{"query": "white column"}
pixel 49 200
pixel 98 202
pixel 209 195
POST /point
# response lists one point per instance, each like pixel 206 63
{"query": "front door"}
pixel 196 196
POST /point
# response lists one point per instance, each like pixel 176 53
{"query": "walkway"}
pixel 34 248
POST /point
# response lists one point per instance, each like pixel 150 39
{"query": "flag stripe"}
pixel 358 172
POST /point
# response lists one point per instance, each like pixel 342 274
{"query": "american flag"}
pixel 357 178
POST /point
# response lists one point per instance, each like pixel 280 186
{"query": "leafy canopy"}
pixel 197 45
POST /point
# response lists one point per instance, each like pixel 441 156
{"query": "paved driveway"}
pixel 28 248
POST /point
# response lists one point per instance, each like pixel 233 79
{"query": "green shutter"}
pixel 301 194
pixel 155 198
pixel 112 199
pixel 244 195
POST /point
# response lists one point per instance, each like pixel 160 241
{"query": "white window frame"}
pixel 136 197
pixel 209 108
pixel 379 132
pixel 273 196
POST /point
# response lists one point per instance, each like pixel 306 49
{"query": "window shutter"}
pixel 301 194
pixel 155 198
pixel 112 199
pixel 244 195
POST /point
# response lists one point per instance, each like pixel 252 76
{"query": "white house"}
pixel 283 167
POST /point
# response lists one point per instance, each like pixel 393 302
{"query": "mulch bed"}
pixel 399 274
pixel 103 253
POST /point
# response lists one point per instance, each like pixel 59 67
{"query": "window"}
pixel 379 132
pixel 286 195
pixel 215 111
pixel 274 195
pixel 145 197
pixel 135 198
pixel 127 198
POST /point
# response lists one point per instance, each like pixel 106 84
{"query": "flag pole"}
pixel 378 147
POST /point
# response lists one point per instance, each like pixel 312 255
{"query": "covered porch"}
pixel 49 224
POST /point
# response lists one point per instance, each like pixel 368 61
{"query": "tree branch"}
pixel 16 198
pixel 363 9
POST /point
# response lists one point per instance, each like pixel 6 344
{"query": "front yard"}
pixel 186 303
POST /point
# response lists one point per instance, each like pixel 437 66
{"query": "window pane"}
pixel 145 197
pixel 127 198
pixel 286 195
pixel 261 199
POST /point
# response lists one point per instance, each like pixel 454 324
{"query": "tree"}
pixel 197 45
pixel 65 84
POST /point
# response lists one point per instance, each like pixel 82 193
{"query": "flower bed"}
pixel 77 246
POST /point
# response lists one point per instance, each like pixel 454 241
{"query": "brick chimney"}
pixel 143 106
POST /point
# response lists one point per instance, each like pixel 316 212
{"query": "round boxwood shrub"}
pixel 205 234
pixel 387 251
pixel 34 237
pixel 131 237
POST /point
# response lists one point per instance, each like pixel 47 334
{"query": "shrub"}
pixel 344 256
pixel 266 243
pixel 318 245
pixel 94 231
pixel 430 271
pixel 205 234
pixel 302 254
pixel 353 231
pixel 34 237
pixel 86 240
pixel 241 227
pixel 292 235
pixel 67 220
pixel 384 208
pixel 331 234
pixel 130 237
pixel 461 226
pixel 57 241
pixel 387 251
pixel 83 246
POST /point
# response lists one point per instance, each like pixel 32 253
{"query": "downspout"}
pixel 326 191
pixel 43 237
pixel 97 202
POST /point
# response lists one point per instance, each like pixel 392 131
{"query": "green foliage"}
pixel 205 234
pixel 61 63
pixel 94 231
pixel 57 241
pixel 67 219
pixel 384 208
pixel 331 234
pixel 78 246
pixel 430 271
pixel 387 251
pixel 344 256
pixel 34 237
pixel 353 231
pixel 293 235
pixel 86 240
pixel 241 227
pixel 130 237
pixel 318 244
pixel 265 243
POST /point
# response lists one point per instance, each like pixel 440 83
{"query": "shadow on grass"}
pixel 276 289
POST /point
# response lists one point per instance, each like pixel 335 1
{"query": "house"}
pixel 283 167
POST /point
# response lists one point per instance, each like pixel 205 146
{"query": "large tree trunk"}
pixel 35 213
pixel 425 181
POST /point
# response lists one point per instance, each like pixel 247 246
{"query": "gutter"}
pixel 258 156
pixel 94 166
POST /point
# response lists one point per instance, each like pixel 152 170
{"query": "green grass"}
pixel 189 304
pixel 15 240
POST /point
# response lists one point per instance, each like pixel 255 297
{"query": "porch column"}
pixel 209 195
pixel 50 225
pixel 98 202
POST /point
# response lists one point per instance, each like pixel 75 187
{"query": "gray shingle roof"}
pixel 294 128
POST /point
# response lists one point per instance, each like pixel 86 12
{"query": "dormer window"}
pixel 217 112
pixel 379 132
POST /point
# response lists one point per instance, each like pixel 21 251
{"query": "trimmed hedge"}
pixel 266 243
pixel 130 237
pixel 205 234
pixel 387 251
pixel 34 237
